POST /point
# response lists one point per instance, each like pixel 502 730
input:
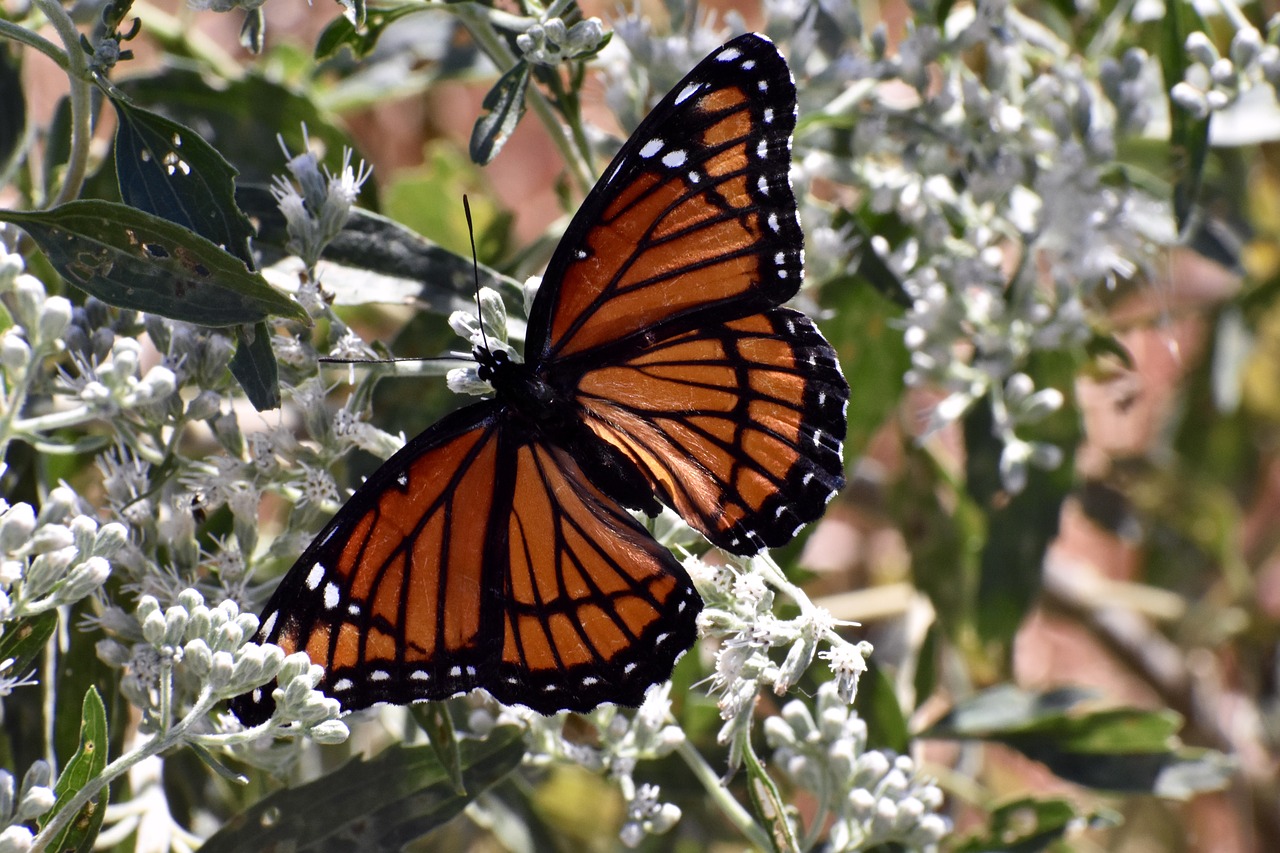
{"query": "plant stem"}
pixel 78 75
pixel 731 808
pixel 16 33
pixel 157 744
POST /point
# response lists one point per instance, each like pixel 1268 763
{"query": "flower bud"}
pixel 153 627
pixel 197 658
pixel 29 299
pixel 84 579
pixel 15 353
pixel 54 319
pixel 17 523
pixel 329 732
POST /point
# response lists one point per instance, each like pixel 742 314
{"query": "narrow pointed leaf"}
pixel 380 803
pixel 434 719
pixel 24 639
pixel 505 105
pixel 254 366
pixel 165 168
pixel 132 259
pixel 87 764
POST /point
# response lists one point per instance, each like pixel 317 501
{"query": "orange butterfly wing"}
pixel 477 557
pixel 695 218
pixel 737 426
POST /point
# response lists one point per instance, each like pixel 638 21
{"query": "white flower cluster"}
pixel 1005 226
pixel 1214 82
pixel 54 558
pixel 203 653
pixel 876 798
pixel 552 42
pixel 739 613
pixel 622 742
pixel 29 802
pixel 317 203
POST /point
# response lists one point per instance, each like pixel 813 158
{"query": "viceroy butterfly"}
pixel 495 549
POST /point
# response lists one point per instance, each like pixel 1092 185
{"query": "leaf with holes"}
pixel 505 105
pixel 165 168
pixel 132 259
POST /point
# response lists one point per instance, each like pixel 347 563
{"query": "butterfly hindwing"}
pixel 594 609
pixel 695 215
pixel 738 426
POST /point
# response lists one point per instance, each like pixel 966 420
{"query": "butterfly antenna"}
pixel 475 271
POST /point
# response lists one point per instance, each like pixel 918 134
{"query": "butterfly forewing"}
pixel 393 596
pixel 738 426
pixel 695 214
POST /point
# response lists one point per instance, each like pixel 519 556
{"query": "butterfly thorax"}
pixel 524 392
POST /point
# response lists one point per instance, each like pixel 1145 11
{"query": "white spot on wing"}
pixel 342 685
pixel 315 576
pixel 768 115
pixel 270 625
pixel 419 675
pixel 653 146
pixel 688 92
pixel 455 671
pixel 379 675
pixel 353 609
pixel 674 159
pixel 773 222
pixel 331 596
pixel 588 680
pixel 729 54
pixel 629 668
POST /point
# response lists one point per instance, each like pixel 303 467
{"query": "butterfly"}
pixel 496 549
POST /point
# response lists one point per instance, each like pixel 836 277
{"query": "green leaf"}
pixel 362 42
pixel 1113 749
pixel 231 116
pixel 378 260
pixel 767 802
pixel 24 640
pixel 877 703
pixel 1029 825
pixel 165 168
pixel 863 332
pixel 435 721
pixel 254 366
pixel 505 105
pixel 132 259
pixel 86 765
pixel 13 106
pixel 385 801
